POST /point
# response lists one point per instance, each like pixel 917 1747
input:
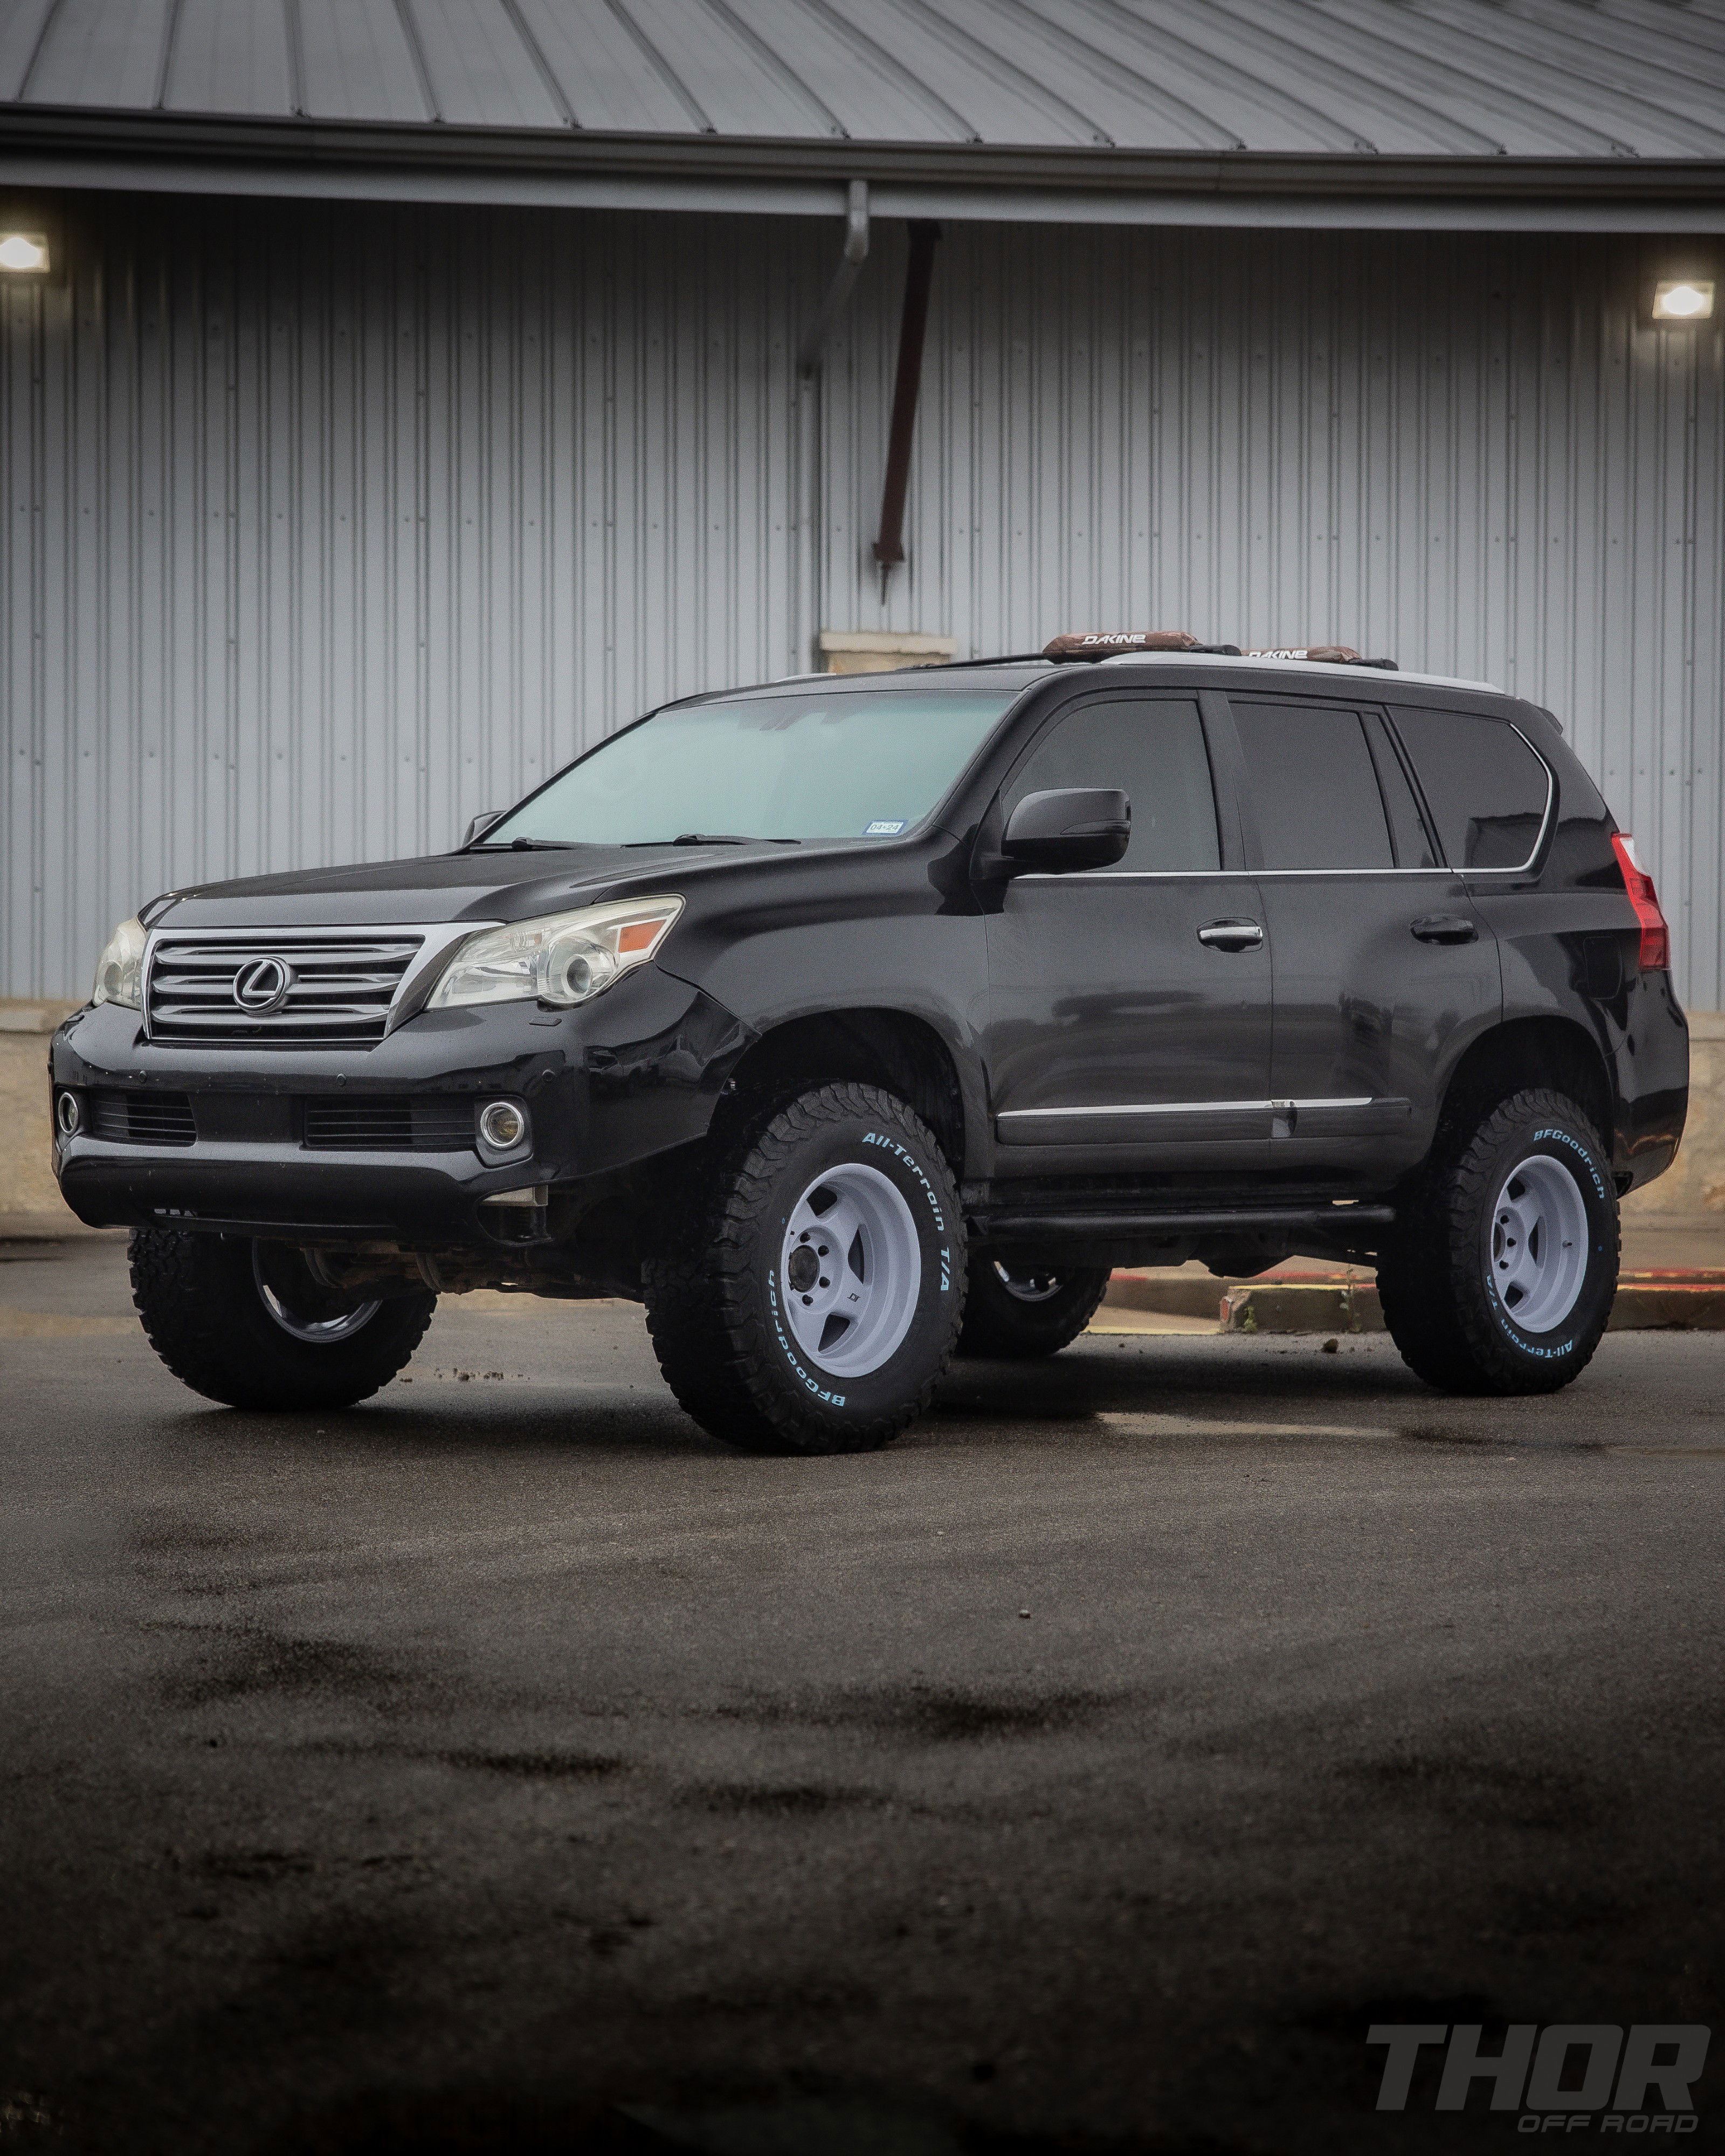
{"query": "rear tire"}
pixel 1502 1274
pixel 779 1333
pixel 1018 1313
pixel 244 1323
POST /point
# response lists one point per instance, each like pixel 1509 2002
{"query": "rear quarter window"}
pixel 1485 787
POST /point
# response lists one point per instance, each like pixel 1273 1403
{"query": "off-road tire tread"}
pixel 1442 1337
pixel 183 1299
pixel 1028 1332
pixel 701 1313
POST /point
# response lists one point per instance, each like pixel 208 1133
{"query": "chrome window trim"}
pixel 1276 875
pixel 438 939
pixel 1190 1108
pixel 1081 876
pixel 1265 875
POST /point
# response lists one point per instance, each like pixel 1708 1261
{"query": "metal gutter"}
pixel 76 147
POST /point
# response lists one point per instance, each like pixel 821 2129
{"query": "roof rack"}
pixel 1004 659
pixel 1323 654
pixel 1088 646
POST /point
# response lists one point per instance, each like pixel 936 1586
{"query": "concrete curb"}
pixel 1648 1301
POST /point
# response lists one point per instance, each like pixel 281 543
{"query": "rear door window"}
pixel 1314 787
pixel 1414 847
pixel 1485 787
pixel 1152 749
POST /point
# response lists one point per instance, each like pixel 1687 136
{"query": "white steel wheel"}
pixel 1537 1243
pixel 1036 1284
pixel 852 1270
pixel 320 1332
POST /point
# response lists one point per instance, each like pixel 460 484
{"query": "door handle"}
pixel 1231 934
pixel 1445 928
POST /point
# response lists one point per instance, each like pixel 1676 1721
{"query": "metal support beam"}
pixel 850 262
pixel 913 325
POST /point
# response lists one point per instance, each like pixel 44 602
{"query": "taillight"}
pixel 1655 936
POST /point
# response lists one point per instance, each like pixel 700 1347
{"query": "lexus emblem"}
pixel 262 987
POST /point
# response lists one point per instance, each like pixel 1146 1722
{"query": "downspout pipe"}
pixel 855 253
pixel 913 325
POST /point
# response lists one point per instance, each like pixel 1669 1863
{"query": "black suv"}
pixel 847 1021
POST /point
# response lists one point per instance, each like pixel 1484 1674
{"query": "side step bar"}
pixel 992 1227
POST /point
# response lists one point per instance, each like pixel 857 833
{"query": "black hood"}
pixel 499 885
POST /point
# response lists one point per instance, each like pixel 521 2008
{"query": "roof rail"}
pixel 1004 659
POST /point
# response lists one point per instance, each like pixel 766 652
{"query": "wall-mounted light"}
pixel 1683 300
pixel 25 253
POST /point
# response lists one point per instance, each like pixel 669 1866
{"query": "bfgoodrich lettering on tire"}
pixel 1501 1276
pixel 810 1301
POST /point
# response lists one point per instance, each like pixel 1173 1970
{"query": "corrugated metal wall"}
pixel 326 527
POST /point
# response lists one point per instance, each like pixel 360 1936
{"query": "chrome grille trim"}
pixel 350 985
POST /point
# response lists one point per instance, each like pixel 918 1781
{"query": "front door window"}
pixel 1129 1007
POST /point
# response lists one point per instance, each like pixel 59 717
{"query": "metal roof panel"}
pixel 21 26
pixel 482 72
pixel 609 72
pixel 1596 84
pixel 230 56
pixel 357 61
pixel 99 52
pixel 743 84
pixel 857 72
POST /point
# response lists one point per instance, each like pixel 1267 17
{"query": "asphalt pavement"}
pixel 503 1765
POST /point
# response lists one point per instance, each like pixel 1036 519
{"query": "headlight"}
pixel 119 970
pixel 564 958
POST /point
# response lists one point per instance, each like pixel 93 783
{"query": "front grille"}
pixel 388 1122
pixel 339 988
pixel 150 1119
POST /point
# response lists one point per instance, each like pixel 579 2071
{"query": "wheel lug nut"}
pixel 826 1282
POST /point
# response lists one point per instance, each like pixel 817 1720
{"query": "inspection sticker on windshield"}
pixel 884 828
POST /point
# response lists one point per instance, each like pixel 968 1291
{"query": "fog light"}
pixel 502 1126
pixel 68 1114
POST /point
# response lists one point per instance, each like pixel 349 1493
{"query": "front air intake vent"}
pixel 278 988
pixel 388 1122
pixel 143 1119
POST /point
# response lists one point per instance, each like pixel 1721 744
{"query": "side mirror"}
pixel 1069 828
pixel 481 823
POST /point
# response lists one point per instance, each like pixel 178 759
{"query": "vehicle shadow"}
pixel 1084 1379
pixel 499 1421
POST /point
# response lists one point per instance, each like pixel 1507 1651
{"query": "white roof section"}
pixel 1605 101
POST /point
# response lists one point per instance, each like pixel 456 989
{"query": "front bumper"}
pixel 606 1087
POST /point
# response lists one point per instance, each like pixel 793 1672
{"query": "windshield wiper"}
pixel 537 845
pixel 713 839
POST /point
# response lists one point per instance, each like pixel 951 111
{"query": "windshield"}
pixel 833 764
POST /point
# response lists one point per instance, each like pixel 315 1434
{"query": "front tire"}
pixel 1503 1276
pixel 1019 1312
pixel 809 1302
pixel 244 1323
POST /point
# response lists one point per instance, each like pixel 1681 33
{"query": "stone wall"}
pixel 28 1188
pixel 1694 1186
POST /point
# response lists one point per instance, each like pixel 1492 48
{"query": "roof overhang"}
pixel 44 147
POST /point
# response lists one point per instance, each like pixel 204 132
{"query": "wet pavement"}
pixel 502 1765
